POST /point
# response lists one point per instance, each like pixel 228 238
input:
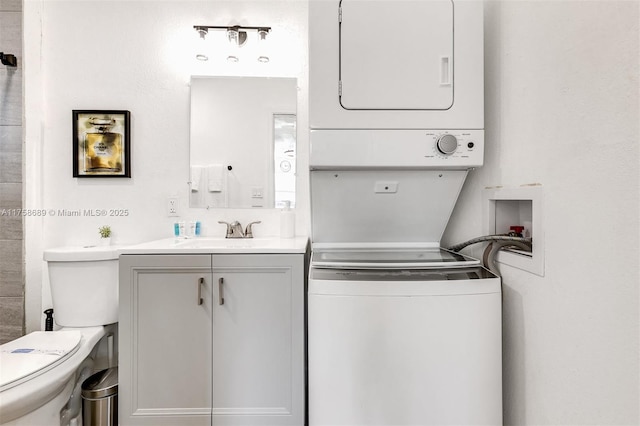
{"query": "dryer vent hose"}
pixel 496 243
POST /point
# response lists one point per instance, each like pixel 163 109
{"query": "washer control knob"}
pixel 447 144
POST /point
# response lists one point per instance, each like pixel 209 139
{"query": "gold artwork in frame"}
pixel 101 143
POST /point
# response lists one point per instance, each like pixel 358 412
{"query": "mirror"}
pixel 243 142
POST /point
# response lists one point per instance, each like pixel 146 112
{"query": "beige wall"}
pixel 11 242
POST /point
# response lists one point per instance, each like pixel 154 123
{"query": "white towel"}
pixel 215 177
pixel 196 175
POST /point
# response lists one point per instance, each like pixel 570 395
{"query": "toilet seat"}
pixel 38 389
pixel 34 354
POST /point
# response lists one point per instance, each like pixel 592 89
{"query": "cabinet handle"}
pixel 200 284
pixel 220 282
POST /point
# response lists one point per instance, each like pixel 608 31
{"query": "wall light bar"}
pixel 237 37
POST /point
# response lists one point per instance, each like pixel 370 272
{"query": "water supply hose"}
pixel 496 243
pixel 491 238
pixel 492 249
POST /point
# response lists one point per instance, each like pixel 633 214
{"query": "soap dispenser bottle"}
pixel 287 221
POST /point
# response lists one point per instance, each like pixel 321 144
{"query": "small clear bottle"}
pixel 287 221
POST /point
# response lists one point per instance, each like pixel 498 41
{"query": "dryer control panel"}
pixel 438 149
pixel 455 144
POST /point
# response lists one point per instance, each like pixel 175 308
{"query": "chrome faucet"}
pixel 234 229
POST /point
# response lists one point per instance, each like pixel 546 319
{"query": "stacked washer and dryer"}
pixel 400 331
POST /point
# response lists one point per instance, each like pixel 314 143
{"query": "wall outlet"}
pixel 172 207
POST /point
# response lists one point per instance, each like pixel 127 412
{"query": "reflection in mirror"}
pixel 284 159
pixel 243 142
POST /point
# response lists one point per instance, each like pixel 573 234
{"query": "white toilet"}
pixel 42 372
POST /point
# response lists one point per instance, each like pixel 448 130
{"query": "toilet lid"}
pixel 35 353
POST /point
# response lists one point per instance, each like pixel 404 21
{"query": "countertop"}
pixel 208 245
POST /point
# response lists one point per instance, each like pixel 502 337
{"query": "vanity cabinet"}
pixel 212 339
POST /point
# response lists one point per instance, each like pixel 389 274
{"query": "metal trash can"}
pixel 100 398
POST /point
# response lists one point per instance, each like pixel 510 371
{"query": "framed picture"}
pixel 101 143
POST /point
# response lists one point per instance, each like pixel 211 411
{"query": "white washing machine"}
pixel 401 346
pixel 400 331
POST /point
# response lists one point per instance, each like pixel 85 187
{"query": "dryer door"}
pixel 396 55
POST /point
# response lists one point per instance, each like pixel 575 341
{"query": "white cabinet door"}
pixel 396 55
pixel 258 340
pixel 165 340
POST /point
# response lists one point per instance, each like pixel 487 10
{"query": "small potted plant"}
pixel 105 235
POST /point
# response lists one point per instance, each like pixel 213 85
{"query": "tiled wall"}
pixel 11 231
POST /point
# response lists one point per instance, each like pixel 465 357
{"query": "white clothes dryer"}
pixel 399 64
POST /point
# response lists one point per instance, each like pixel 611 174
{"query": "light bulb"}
pixel 201 50
pixel 234 43
pixel 262 46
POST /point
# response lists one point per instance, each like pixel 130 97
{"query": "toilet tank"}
pixel 84 285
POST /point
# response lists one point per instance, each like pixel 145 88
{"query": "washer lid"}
pixel 410 258
pixel 35 353
pixel 403 283
pixel 81 254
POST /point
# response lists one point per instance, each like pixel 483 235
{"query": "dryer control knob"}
pixel 447 144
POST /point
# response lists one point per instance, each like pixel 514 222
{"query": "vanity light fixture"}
pixel 237 37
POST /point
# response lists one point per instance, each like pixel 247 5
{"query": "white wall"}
pixel 561 110
pixel 135 55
